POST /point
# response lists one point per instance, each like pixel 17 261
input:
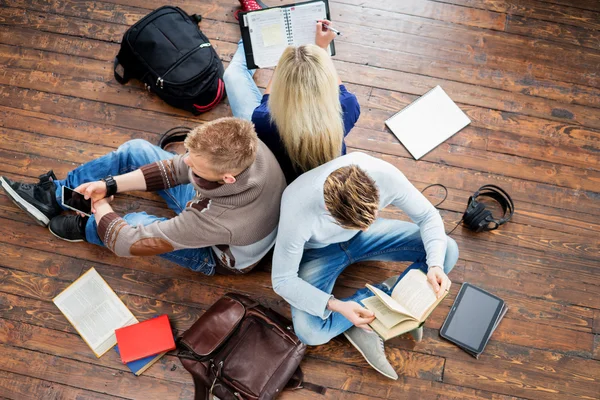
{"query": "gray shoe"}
pixel 370 345
pixel 391 281
pixel 417 334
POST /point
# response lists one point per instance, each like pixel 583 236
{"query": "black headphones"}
pixel 477 218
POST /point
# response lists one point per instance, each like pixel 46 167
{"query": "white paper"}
pixel 268 36
pixel 415 292
pixel 390 302
pixel 427 122
pixel 94 310
pixel 304 21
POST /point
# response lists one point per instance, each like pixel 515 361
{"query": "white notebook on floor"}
pixel 428 121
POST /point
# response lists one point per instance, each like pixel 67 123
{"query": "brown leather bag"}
pixel 241 350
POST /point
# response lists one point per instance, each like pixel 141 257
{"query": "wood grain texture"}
pixel 524 71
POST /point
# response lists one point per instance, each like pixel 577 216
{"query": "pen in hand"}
pixel 332 29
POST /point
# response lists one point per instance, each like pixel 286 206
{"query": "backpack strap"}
pixel 297 382
pixel 121 79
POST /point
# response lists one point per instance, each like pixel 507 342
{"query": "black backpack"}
pixel 167 51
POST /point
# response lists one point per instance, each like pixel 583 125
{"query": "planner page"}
pixel 303 21
pixel 268 36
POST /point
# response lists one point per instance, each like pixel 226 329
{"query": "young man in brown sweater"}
pixel 226 191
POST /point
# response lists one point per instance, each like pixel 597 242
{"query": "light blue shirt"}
pixel 304 223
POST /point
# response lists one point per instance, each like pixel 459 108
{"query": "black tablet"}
pixel 472 318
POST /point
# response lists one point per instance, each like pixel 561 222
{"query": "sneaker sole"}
pixel 24 205
pixel 365 357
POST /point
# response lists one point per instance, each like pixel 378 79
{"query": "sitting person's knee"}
pixel 307 332
pixel 134 144
pixel 451 255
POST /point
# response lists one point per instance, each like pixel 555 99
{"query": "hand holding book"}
pixel 409 304
pixel 354 312
pixel 439 281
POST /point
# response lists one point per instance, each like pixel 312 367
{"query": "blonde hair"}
pixel 305 106
pixel 351 197
pixel 230 143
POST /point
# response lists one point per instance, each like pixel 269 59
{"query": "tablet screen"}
pixel 472 318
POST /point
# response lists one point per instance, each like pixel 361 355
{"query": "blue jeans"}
pixel 129 157
pixel 385 240
pixel 243 94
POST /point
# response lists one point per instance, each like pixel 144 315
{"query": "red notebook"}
pixel 147 338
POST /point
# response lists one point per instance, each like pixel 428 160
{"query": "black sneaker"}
pixel 69 227
pixel 38 200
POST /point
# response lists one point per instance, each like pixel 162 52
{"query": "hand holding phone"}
pixel 92 190
pixel 76 201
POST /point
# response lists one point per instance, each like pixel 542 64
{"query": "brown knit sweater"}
pixel 237 220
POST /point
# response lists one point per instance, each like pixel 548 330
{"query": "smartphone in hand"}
pixel 75 201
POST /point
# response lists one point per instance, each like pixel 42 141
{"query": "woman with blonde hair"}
pixel 305 111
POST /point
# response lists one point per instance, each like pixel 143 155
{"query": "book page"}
pixel 303 21
pixel 387 317
pixel 94 310
pixel 390 302
pixel 415 293
pixel 268 36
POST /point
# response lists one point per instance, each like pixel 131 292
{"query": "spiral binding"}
pixel 288 27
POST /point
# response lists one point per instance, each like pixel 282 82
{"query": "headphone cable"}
pixel 444 199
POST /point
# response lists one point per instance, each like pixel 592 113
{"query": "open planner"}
pixel 266 33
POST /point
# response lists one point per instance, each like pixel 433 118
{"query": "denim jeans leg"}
pixel 128 157
pixel 243 94
pixel 199 260
pixel 392 240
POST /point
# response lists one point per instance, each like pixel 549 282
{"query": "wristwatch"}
pixel 111 186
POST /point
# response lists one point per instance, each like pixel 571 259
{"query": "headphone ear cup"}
pixel 472 212
pixel 480 223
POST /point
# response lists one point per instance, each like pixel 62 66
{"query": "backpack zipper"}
pixel 160 81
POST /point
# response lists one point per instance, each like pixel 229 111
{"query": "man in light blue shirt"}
pixel 329 220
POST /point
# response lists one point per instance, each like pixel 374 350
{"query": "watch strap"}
pixel 111 186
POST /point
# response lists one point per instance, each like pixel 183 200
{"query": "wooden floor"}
pixel 527 72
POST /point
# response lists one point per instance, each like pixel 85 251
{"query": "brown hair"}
pixel 230 143
pixel 351 197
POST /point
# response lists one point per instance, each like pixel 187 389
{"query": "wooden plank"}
pixel 71 346
pixel 185 292
pixel 354 54
pixel 354 34
pixel 591 5
pixel 596 354
pixel 440 11
pixel 20 387
pixel 574 35
pixel 486 97
pixel 336 352
pixel 587 180
pixel 69 128
pixel 539 10
pixel 20 283
pixel 88 376
pixel 520 380
pixel 370 383
pixel 103 67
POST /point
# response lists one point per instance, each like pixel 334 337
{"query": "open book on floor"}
pixel 94 310
pixel 411 302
